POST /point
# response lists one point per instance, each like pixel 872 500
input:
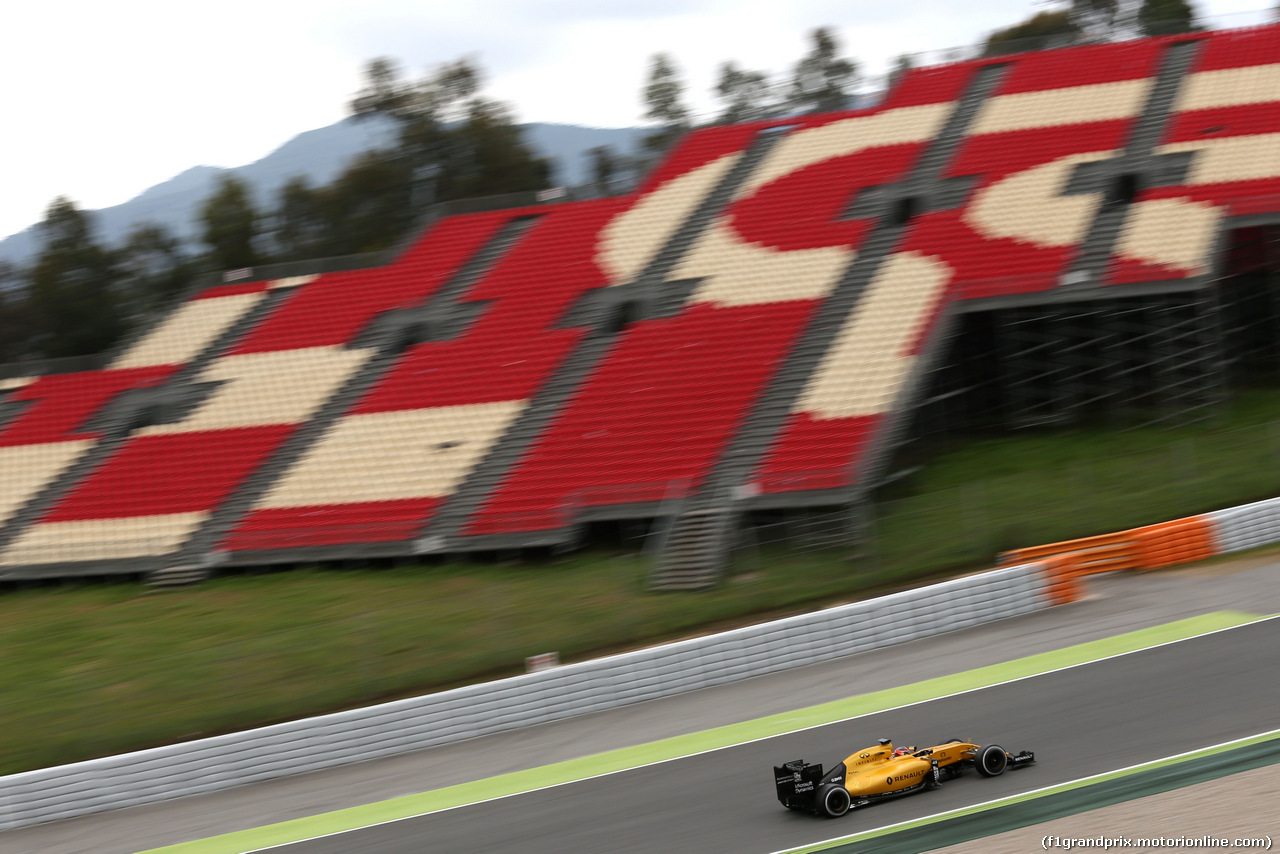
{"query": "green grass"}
pixel 1011 492
pixel 101 668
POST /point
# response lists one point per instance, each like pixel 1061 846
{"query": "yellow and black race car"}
pixel 884 771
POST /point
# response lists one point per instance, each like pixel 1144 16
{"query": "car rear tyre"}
pixel 834 801
pixel 992 760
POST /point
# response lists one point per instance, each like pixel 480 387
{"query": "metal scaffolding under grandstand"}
pixel 1119 361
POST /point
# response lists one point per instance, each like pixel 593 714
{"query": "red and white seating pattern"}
pixel 45 438
pixel 665 403
pixel 1228 117
pixel 663 406
pixel 384 468
pixel 165 480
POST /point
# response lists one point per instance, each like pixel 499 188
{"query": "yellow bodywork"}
pixel 876 771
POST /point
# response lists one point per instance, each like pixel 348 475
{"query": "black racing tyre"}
pixel 954 741
pixel 834 800
pixel 991 760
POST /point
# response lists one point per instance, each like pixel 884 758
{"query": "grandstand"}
pixel 1008 241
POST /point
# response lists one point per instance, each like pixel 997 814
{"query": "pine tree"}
pixel 73 307
pixel 153 270
pixel 1098 19
pixel 231 225
pixel 1166 17
pixel 744 95
pixel 822 81
pixel 367 208
pixel 662 100
pixel 1040 31
pixel 901 66
pixel 604 168
pixel 452 142
pixel 15 325
pixel 297 224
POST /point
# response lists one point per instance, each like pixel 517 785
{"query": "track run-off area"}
pixel 1087 710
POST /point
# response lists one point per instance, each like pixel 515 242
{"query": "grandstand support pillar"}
pixel 861 517
pixel 1130 360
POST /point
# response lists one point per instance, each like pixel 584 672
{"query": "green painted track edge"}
pixel 1079 796
pixel 622 759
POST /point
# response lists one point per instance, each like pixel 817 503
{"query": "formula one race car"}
pixel 884 771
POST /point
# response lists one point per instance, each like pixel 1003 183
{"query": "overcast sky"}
pixel 103 100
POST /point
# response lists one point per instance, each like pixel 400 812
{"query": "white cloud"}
pixel 103 100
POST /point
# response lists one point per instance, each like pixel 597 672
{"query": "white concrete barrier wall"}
pixel 398 727
pixel 1247 526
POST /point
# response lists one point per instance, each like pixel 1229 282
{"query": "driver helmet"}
pixel 903 751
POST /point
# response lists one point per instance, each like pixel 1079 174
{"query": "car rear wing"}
pixel 797 783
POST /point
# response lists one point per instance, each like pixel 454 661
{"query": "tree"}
pixel 367 207
pixel 1098 19
pixel 73 307
pixel 15 325
pixel 153 270
pixel 822 81
pixel 231 225
pixel 298 224
pixel 452 142
pixel 384 90
pixel 434 99
pixel 903 64
pixel 604 168
pixel 1166 17
pixel 662 100
pixel 744 95
pixel 1040 31
pixel 490 156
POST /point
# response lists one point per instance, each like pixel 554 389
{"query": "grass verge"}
pixel 101 668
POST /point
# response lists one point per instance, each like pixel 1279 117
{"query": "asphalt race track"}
pixel 1087 720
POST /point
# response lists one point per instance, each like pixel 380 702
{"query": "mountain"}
pixel 320 155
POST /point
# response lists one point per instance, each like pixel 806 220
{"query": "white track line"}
pixel 789 732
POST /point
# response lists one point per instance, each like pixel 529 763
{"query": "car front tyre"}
pixel 835 801
pixel 992 760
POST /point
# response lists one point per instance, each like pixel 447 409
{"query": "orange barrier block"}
pixel 1103 553
pixel 1063 577
pixel 1179 541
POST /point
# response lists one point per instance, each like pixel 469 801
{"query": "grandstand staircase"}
pixel 657 298
pixel 439 317
pixel 1138 160
pixel 175 576
pixel 742 411
pixel 696 547
pixel 116 420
